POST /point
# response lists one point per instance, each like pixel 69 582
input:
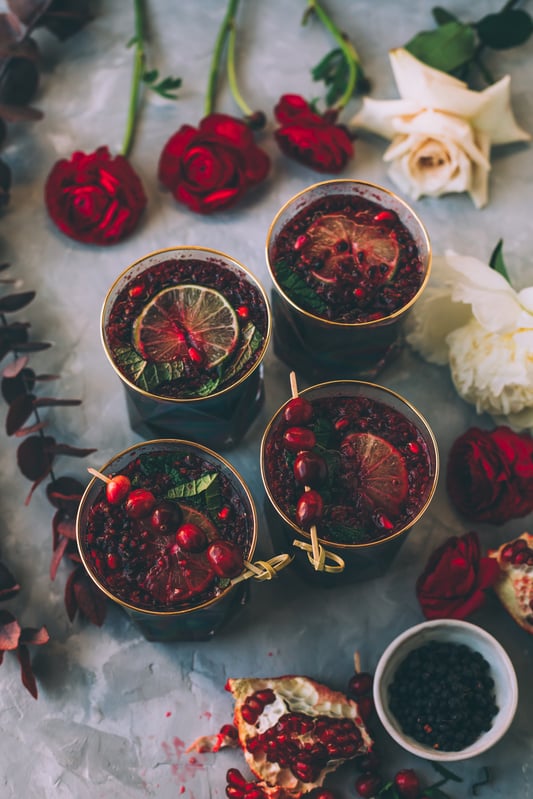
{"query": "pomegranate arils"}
pixel 407 783
pixel 117 489
pixel 139 503
pixel 234 777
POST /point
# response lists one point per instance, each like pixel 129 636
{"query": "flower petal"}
pixel 378 116
pixel 495 116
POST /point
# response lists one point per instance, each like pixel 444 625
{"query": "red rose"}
pixel 490 475
pixel 453 583
pixel 310 138
pixel 95 199
pixel 211 167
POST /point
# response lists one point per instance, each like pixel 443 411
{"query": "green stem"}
pixel 138 69
pixel 232 75
pixel 225 28
pixel 350 53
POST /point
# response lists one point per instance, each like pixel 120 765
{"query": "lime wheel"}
pixel 335 242
pixel 381 470
pixel 181 317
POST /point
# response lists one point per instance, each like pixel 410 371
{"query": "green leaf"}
pixel 321 70
pixel 251 341
pixel 496 261
pixel 193 487
pixel 212 496
pixel 447 48
pixel 298 290
pixel 204 390
pixel 150 76
pixel 323 430
pixel 444 772
pixel 442 16
pixel 485 780
pixel 155 374
pixel 435 793
pixel 505 29
pixel 344 534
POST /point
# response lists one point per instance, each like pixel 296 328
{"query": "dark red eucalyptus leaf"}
pixel 65 493
pixel 19 76
pixel 76 452
pixel 36 636
pixel 11 32
pixel 9 631
pixel 35 456
pixel 20 113
pixel 8 585
pixel 13 387
pixel 28 11
pixel 72 552
pixel 33 346
pixel 19 412
pixel 57 557
pixel 14 302
pixel 32 428
pixel 26 672
pixel 82 595
pixel 12 337
pixel 65 525
pixel 43 378
pixel 49 402
pixel 15 367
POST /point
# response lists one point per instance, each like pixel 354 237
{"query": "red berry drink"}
pixel 166 551
pixel 186 330
pixel 348 259
pixel 361 465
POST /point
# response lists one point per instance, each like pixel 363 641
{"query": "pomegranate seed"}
pixel 224 513
pixel 266 697
pixel 195 355
pixel 359 293
pixel 367 785
pixel 191 538
pixel 234 777
pixel 298 438
pixel 250 716
pixel 384 522
pixel 229 731
pixel 325 794
pixel 298 411
pixel 342 423
pixel 135 291
pixel 243 311
pixel 385 216
pixel 139 503
pixel 507 552
pixel 413 447
pixel 300 241
pixel 360 684
pixel 112 561
pixel 233 792
pixel 117 489
pixel 407 783
pixel 253 792
pixel 519 557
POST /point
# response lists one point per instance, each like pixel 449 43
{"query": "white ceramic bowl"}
pixel 460 632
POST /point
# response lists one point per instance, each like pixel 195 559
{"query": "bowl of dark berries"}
pixel 445 690
pixel 164 529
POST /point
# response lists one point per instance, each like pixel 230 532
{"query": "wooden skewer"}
pixel 314 533
pixel 100 476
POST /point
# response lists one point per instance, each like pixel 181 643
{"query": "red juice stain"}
pixel 168 713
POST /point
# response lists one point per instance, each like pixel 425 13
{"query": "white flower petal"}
pixel 525 298
pixel 377 115
pixel 495 117
pixel 479 187
pixel 417 81
pixel 432 318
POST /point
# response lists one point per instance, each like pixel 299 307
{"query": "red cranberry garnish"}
pixel 407 783
pixel 298 411
pixel 309 508
pixel 166 517
pixel 298 438
pixel 366 707
pixel 310 469
pixel 139 503
pixel 117 489
pixel 225 558
pixel 367 785
pixel 191 538
pixel 360 684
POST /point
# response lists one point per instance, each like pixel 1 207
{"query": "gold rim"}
pixel 425 429
pixel 176 443
pixel 107 306
pixel 373 186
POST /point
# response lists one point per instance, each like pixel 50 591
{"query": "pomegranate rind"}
pixel 514 586
pixel 298 695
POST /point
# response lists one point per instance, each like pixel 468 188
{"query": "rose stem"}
pixel 138 69
pixel 100 476
pixel 232 75
pixel 314 534
pixel 223 32
pixel 349 51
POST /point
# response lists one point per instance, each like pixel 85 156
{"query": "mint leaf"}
pixel 344 534
pixel 147 375
pixel 298 290
pixel 193 487
pixel 212 496
pixel 204 390
pixel 449 47
pixel 323 430
pixel 505 29
pixel 496 261
pixel 251 341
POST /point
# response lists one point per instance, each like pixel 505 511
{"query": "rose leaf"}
pixel 496 261
pixel 505 29
pixel 449 47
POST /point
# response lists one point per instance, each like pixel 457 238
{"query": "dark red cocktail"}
pixel 165 537
pixel 355 460
pixel 348 259
pixel 186 329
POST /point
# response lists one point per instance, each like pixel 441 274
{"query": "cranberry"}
pixel 298 411
pixel 139 503
pixel 225 558
pixel 166 517
pixel 191 538
pixel 310 469
pixel 117 489
pixel 360 684
pixel 298 438
pixel 407 783
pixel 309 508
pixel 367 785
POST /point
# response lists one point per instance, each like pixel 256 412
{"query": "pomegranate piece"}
pixel 294 731
pixel 514 586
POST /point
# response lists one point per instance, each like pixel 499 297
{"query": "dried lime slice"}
pixel 334 242
pixel 381 470
pixel 181 317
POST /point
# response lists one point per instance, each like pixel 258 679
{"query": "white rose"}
pixel 470 317
pixel 441 132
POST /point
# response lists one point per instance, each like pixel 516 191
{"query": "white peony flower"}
pixel 441 132
pixel 470 317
